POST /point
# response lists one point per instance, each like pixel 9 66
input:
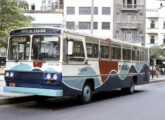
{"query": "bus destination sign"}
pixel 34 31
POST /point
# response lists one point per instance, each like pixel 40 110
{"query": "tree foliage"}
pixel 12 17
pixel 157 51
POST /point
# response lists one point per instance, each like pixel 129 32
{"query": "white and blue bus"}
pixel 55 62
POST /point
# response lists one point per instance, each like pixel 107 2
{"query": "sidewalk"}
pixel 161 78
pixel 9 98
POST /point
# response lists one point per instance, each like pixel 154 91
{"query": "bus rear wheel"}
pixel 130 89
pixel 86 95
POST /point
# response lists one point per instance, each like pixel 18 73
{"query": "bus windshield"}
pixel 45 47
pixel 19 47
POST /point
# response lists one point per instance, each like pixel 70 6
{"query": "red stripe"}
pixel 106 67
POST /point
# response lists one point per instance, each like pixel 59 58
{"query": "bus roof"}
pixel 55 30
pixel 105 39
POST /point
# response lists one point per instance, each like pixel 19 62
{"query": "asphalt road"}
pixel 148 103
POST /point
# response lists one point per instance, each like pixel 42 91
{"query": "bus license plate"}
pixel 12 84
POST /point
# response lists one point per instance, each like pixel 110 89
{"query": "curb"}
pixel 156 81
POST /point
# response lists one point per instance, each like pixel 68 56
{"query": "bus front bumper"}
pixel 34 91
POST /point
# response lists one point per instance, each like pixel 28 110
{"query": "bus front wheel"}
pixel 86 95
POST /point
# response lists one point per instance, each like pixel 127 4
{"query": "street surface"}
pixel 148 103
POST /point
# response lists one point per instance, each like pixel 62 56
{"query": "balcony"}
pixel 129 25
pixel 152 30
pixel 131 7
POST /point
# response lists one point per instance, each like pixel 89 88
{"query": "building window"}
pixel 87 10
pixel 95 25
pixel 87 25
pixel 33 7
pixel 70 25
pixel 106 10
pixel 96 10
pixel 152 40
pixel 117 17
pixel 152 24
pixel 105 25
pixel 129 1
pixel 70 10
pixel 164 40
pixel 117 35
pixel 43 1
pixel 123 1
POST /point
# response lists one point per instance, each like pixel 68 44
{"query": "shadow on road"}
pixel 53 104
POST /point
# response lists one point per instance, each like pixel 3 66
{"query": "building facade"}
pixel 46 13
pixel 78 17
pixel 129 20
pixel 155 26
pixel 118 19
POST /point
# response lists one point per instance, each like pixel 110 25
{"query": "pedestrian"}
pixel 157 72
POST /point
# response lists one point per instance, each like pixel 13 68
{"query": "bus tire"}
pixel 86 95
pixel 130 89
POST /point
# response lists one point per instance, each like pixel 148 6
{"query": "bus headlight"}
pixel 48 76
pixel 55 76
pixel 7 74
pixel 11 74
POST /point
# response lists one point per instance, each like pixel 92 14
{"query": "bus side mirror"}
pixel 70 47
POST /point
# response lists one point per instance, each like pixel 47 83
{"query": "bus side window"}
pixel 135 55
pixel 145 55
pixel 142 55
pixel 65 49
pixel 104 52
pixel 78 51
pixel 92 50
pixel 116 53
pixel 126 54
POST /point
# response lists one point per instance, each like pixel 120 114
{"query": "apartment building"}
pixel 78 17
pixel 129 20
pixel 155 24
pixel 119 19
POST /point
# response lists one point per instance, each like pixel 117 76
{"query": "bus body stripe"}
pixel 106 67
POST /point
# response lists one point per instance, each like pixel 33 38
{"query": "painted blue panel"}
pixel 22 67
pixel 90 71
pixel 124 70
pixel 139 66
pixel 50 70
pixel 35 91
pixel 78 82
pixel 37 70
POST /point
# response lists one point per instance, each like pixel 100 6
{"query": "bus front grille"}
pixel 29 77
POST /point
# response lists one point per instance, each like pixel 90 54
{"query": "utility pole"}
pixel 92 15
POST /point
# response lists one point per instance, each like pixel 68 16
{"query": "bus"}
pixel 55 62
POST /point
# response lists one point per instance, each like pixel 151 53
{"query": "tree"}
pixel 155 52
pixel 12 17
